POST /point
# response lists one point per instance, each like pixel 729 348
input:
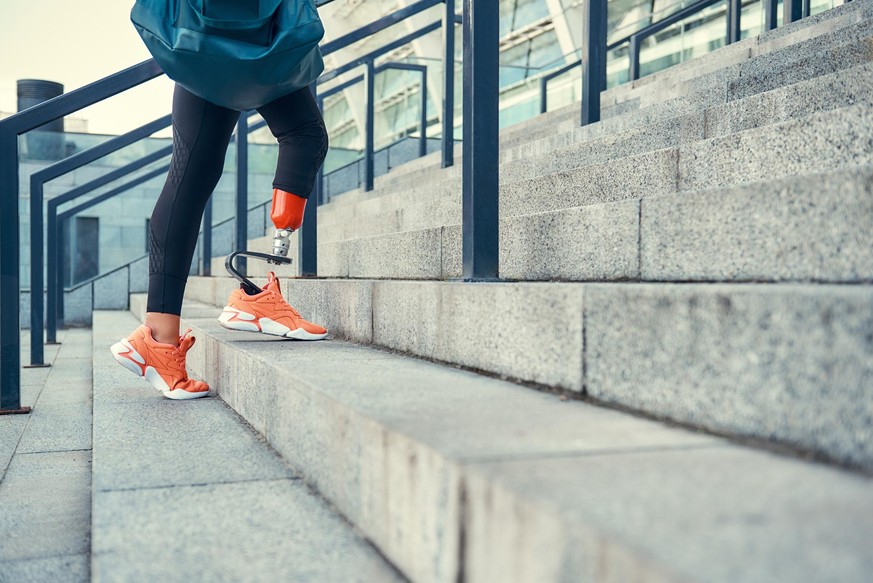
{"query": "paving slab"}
pixel 401 446
pixel 61 569
pixel 131 416
pixel 187 491
pixel 272 530
pixel 717 515
pixel 46 506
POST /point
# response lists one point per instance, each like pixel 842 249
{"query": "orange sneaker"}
pixel 162 365
pixel 268 312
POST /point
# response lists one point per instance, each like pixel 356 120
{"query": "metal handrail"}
pixel 369 146
pixel 480 160
pixel 37 199
pixel 55 299
pixel 91 280
pixel 633 40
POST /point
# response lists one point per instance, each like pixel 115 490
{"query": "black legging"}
pixel 201 134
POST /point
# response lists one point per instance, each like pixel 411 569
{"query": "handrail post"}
pixel 242 189
pixel 307 238
pixel 448 142
pixel 52 280
pixel 37 352
pixel 10 339
pixel 370 128
pixel 792 11
pixel 422 140
pixel 734 13
pixel 481 140
pixel 206 270
pixel 633 53
pixel 63 239
pixel 544 94
pixel 770 14
pixel 593 58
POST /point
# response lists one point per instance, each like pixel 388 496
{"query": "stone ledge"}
pixel 433 463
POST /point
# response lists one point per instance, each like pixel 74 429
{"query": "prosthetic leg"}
pixel 287 216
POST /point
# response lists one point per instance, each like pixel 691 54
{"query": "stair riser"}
pixel 791 103
pixel 719 235
pixel 634 344
pixel 410 499
pixel 813 58
pixel 793 366
pixel 838 45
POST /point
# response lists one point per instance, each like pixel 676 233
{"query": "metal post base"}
pixel 21 411
pixel 44 365
pixel 250 287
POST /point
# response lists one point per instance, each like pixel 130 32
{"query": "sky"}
pixel 76 42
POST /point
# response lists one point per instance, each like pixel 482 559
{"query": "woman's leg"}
pixel 297 124
pixel 201 134
pixel 299 128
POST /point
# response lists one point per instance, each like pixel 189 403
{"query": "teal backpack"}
pixel 240 54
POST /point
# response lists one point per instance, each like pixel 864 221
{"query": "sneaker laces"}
pixel 181 351
pixel 277 295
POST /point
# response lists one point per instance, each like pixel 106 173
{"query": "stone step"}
pixel 786 363
pixel 460 477
pixel 784 65
pixel 791 103
pixel 835 140
pixel 186 491
pixel 802 88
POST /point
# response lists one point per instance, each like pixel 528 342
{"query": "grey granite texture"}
pixel 486 326
pixel 599 242
pixel 202 289
pixel 60 423
pixel 78 305
pixel 377 446
pixel 633 177
pixel 718 515
pixel 252 531
pixel 59 569
pixel 139 275
pixel 830 140
pixel 187 491
pixel 810 228
pixel 345 308
pixel 46 509
pixel 826 53
pixel 827 92
pixel 112 290
pixel 452 260
pixel 415 454
pixel 130 416
pixel 783 363
pixel 662 134
pixel 408 255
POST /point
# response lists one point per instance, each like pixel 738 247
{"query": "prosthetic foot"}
pixel 255 309
pixel 287 216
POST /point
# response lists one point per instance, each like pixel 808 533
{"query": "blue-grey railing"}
pixel 10 289
pixel 793 10
pixel 480 154
pixel 369 141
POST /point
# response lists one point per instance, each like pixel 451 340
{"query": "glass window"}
pixel 525 59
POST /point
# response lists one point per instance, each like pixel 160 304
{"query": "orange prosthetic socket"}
pixel 287 216
pixel 287 212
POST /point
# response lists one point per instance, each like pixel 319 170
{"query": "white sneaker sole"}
pixel 234 319
pixel 129 358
